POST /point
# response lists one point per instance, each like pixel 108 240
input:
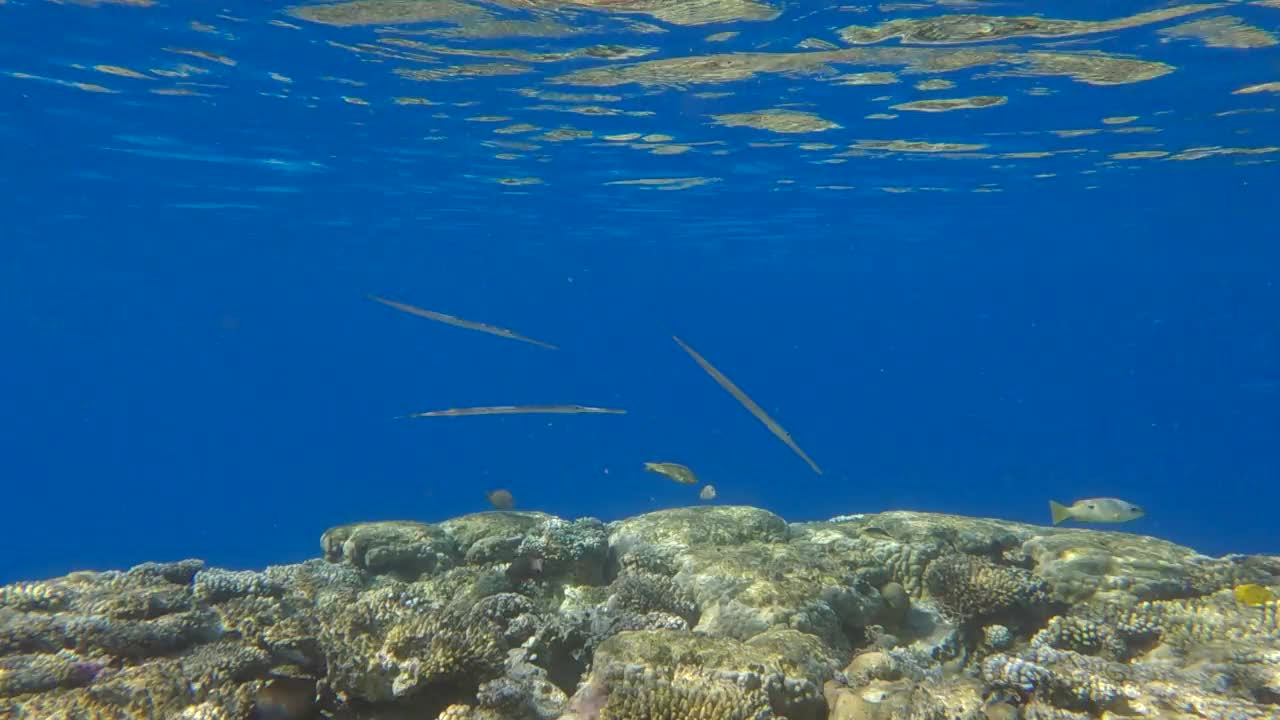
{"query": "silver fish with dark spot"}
pixel 1095 510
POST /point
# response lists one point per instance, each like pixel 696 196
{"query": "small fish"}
pixel 459 322
pixel 286 698
pixel 877 532
pixel 747 403
pixel 519 410
pixel 675 471
pixel 1096 510
pixel 525 567
pixel 708 492
pixel 1253 595
pixel 501 499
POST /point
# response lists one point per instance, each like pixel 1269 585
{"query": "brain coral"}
pixel 683 694
pixel 970 588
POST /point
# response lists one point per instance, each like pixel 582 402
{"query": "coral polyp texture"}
pixel 707 613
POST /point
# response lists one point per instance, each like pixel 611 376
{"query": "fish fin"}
pixel 1059 512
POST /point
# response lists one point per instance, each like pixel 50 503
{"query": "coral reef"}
pixel 707 613
pixel 970 589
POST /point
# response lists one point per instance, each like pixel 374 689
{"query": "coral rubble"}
pixel 707 613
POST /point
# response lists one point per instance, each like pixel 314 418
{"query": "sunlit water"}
pixel 972 257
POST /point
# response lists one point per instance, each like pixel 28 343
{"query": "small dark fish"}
pixel 874 531
pixel 459 322
pixel 525 567
pixel 84 672
pixel 286 699
pixel 501 499
pixel 675 471
pixel 520 410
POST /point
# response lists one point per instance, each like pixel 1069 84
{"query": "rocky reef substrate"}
pixel 707 613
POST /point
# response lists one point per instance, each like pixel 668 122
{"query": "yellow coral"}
pixel 455 712
pixel 203 711
pixel 32 596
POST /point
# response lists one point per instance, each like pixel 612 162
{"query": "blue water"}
pixel 190 367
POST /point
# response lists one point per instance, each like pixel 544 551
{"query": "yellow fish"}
pixel 675 471
pixel 1253 595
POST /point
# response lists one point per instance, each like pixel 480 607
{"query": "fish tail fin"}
pixel 1059 512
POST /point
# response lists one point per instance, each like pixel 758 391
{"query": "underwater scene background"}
pixel 970 264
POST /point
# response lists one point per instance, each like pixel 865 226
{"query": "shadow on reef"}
pixel 708 613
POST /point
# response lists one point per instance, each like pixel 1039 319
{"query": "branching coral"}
pixel 1082 636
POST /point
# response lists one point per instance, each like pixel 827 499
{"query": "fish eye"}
pixel 1135 509
pixel 1091 506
